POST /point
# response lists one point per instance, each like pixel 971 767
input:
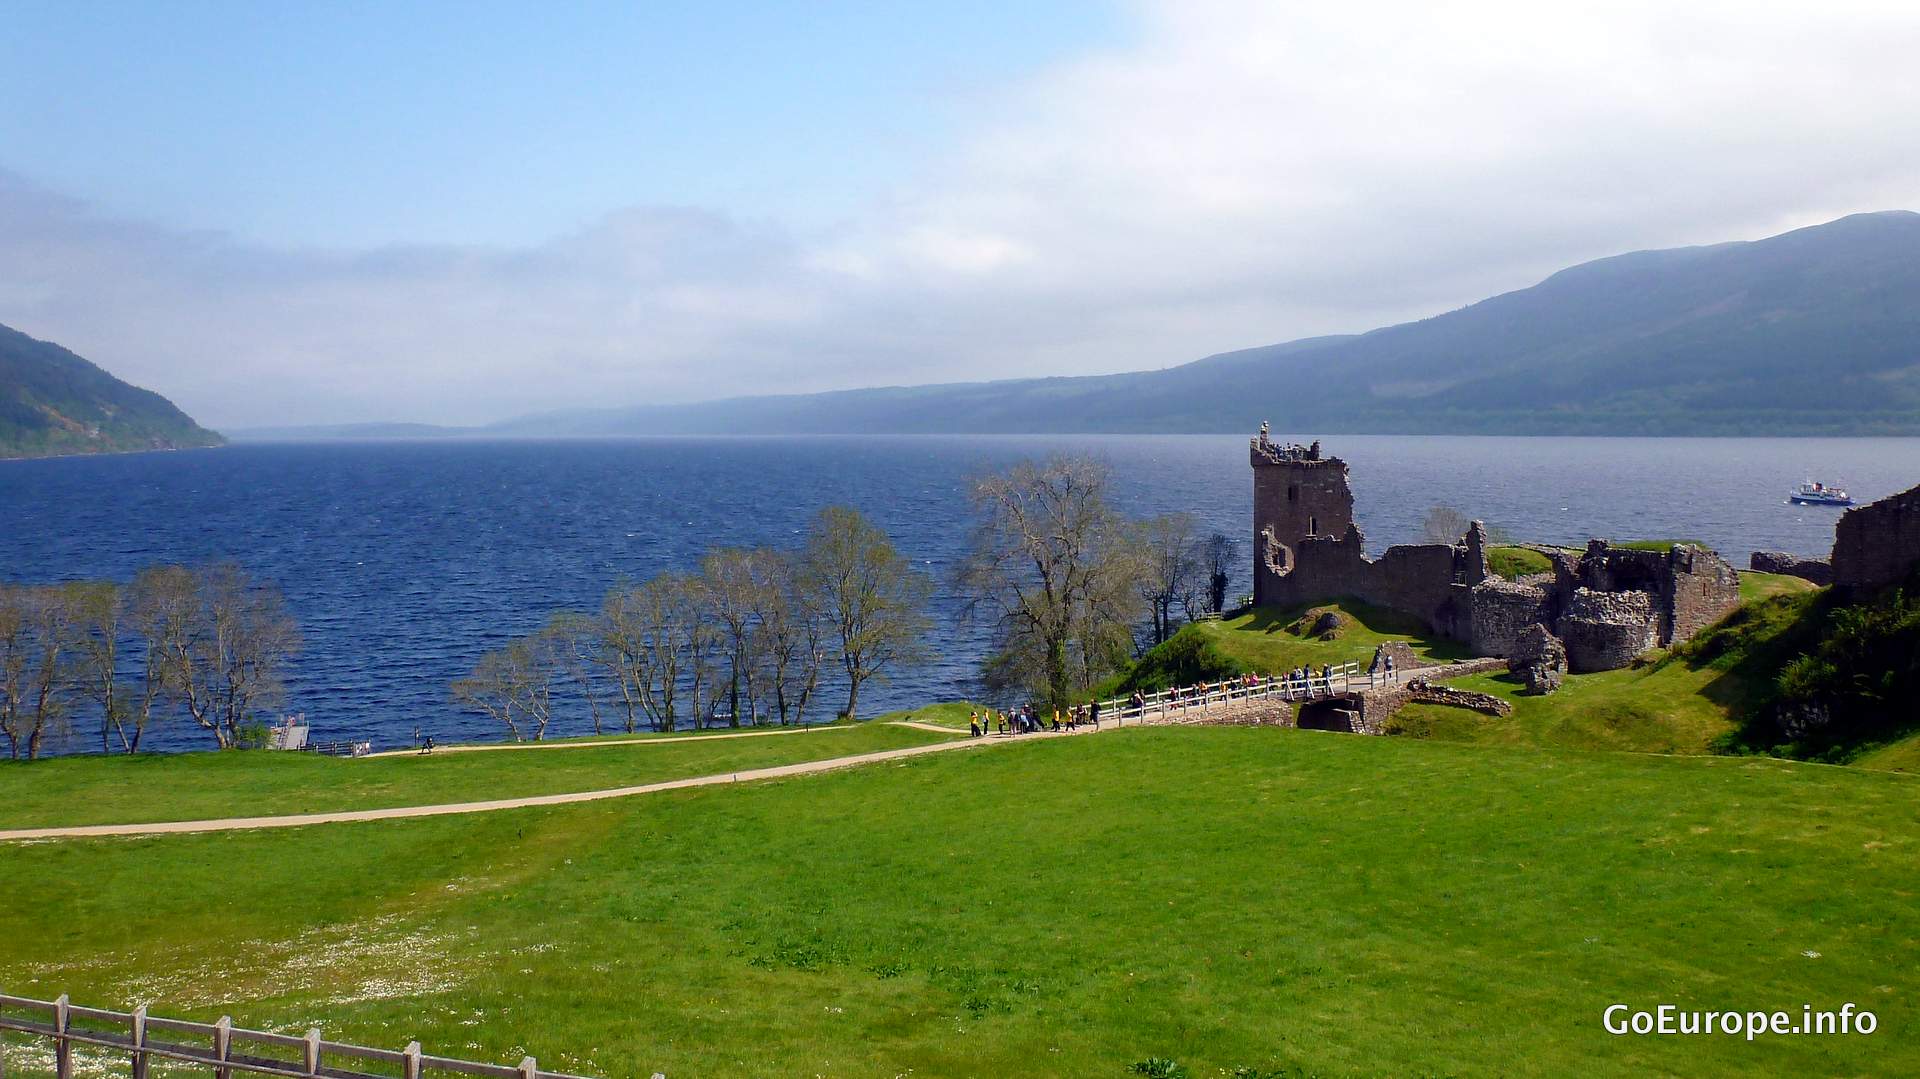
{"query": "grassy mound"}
pixel 1280 639
pixel 1513 563
pixel 1187 658
pixel 1850 683
pixel 1228 899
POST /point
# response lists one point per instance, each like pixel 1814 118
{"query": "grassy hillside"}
pixel 52 402
pixel 1900 756
pixel 1279 639
pixel 1684 703
pixel 1240 901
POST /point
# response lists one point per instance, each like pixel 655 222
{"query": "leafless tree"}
pixel 872 598
pixel 224 658
pixel 97 608
pixel 1444 524
pixel 730 582
pixel 1054 568
pixel 1170 557
pixel 792 635
pixel 513 685
pixel 16 652
pixel 623 650
pixel 38 640
pixel 669 622
pixel 575 640
pixel 162 608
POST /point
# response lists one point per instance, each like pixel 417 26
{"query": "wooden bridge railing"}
pixel 224 1049
pixel 1339 681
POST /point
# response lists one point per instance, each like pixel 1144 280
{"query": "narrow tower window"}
pixel 1313 526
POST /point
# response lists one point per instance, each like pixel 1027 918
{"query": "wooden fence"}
pixel 224 1049
pixel 1337 681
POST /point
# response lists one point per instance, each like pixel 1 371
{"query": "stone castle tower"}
pixel 1297 495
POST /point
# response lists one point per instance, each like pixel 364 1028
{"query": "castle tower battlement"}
pixel 1298 495
pixel 1608 604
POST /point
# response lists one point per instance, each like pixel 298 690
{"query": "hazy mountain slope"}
pixel 52 401
pixel 1813 331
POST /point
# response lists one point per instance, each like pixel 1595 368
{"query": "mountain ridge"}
pixel 54 402
pixel 1815 331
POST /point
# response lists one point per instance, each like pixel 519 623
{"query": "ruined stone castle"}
pixel 1607 604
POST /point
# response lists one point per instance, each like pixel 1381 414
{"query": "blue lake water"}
pixel 404 561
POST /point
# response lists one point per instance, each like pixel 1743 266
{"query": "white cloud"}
pixel 1242 173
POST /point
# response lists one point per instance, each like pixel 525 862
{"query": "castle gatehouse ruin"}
pixel 1607 604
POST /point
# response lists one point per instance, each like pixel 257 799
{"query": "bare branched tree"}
pixel 575 639
pixel 873 599
pixel 668 622
pixel 623 650
pixel 792 635
pixel 1444 524
pixel 162 609
pixel 223 654
pixel 39 637
pixel 1171 558
pixel 97 608
pixel 1055 569
pixel 497 688
pixel 15 646
pixel 731 583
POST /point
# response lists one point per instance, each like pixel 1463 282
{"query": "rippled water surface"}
pixel 403 561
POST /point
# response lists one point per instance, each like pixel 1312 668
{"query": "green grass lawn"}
pixel 1755 585
pixel 1661 545
pixel 1276 639
pixel 1899 756
pixel 1679 703
pixel 1513 563
pixel 1229 898
pixel 194 786
pixel 952 714
pixel 1669 710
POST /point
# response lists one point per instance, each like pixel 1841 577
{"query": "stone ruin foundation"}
pixel 1606 604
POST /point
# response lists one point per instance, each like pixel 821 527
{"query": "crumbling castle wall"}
pixel 1308 550
pixel 1700 589
pixel 1603 631
pixel 1879 543
pixel 1502 611
pixel 1817 570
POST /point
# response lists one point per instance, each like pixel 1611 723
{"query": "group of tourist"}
pixel 1027 720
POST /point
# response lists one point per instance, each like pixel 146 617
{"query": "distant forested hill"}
pixel 52 401
pixel 1815 331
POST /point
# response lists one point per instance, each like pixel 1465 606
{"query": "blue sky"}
pixel 286 213
pixel 364 124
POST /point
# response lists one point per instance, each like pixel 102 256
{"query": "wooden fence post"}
pixel 223 1045
pixel 62 1047
pixel 313 1051
pixel 409 1061
pixel 139 1033
pixel 529 1070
